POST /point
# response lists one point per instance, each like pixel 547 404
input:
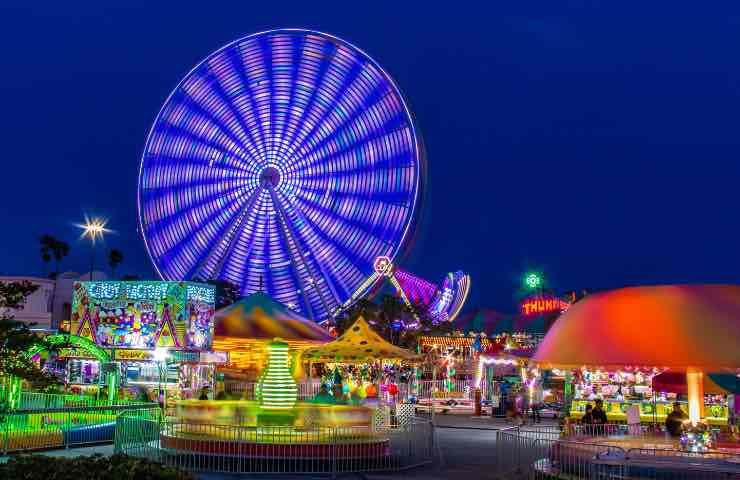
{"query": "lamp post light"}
pixel 93 229
pixel 160 356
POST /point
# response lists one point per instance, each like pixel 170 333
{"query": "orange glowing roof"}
pixel 676 326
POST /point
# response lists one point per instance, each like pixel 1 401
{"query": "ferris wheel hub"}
pixel 270 177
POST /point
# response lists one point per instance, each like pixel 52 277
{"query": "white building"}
pixel 37 308
pixel 51 304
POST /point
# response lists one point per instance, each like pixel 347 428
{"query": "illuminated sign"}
pixel 74 353
pixel 544 304
pixel 382 265
pixel 134 355
pixel 144 315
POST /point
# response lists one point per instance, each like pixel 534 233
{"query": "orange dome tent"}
pixel 691 328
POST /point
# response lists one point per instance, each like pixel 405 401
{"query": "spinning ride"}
pixel 443 301
pixel 285 162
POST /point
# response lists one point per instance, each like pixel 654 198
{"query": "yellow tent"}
pixel 358 344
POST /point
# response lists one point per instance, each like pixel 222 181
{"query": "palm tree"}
pixel 46 241
pixel 115 257
pixel 59 250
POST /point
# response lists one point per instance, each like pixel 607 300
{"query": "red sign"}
pixel 539 305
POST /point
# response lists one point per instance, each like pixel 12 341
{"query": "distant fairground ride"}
pixel 443 301
pixel 285 162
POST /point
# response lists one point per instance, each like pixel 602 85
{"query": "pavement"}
pixel 465 443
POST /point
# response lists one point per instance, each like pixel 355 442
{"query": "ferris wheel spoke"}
pixel 221 147
pixel 306 275
pixel 350 235
pixel 204 228
pixel 325 252
pixel 227 72
pixel 377 143
pixel 165 204
pixel 352 117
pixel 197 121
pixel 316 113
pixel 213 262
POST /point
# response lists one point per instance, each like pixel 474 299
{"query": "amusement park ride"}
pixel 443 301
pixel 288 162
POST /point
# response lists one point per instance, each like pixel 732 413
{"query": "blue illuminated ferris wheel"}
pixel 285 162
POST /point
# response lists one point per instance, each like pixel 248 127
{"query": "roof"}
pixel 358 344
pixel 259 317
pixel 676 326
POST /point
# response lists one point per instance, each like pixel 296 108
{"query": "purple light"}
pixel 285 162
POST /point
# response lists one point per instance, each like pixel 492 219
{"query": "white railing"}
pixel 234 449
pixel 549 452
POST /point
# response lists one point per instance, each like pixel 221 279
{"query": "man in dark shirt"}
pixel 674 420
pixel 598 414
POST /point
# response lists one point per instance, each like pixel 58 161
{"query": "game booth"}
pixel 641 343
pixel 158 336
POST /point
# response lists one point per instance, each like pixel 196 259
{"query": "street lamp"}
pixel 93 229
pixel 160 356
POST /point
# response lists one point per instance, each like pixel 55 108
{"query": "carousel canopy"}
pixel 679 327
pixel 259 317
pixel 358 344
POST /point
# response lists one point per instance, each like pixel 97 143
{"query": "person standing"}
pixel 674 420
pixel 599 417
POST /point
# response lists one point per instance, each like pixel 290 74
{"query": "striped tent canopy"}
pixel 259 317
pixel 673 326
pixel 358 344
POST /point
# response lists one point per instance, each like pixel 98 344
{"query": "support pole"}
pixel 695 387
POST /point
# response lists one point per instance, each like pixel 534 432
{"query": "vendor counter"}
pixel 649 411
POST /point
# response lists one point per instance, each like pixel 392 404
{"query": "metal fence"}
pixel 37 400
pixel 33 429
pixel 550 452
pixel 274 449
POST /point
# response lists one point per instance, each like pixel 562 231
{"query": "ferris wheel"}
pixel 286 162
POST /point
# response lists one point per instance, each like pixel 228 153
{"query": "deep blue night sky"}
pixel 599 144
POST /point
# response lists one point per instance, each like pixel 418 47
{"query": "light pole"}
pixel 93 229
pixel 160 356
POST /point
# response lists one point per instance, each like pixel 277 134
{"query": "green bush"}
pixel 117 467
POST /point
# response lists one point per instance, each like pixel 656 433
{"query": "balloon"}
pixel 392 389
pixel 345 388
pixel 361 392
pixel 371 391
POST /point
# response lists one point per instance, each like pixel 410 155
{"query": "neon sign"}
pixel 544 304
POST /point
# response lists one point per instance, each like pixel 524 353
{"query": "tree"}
pixel 53 248
pixel 59 250
pixel 46 241
pixel 115 257
pixel 16 338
